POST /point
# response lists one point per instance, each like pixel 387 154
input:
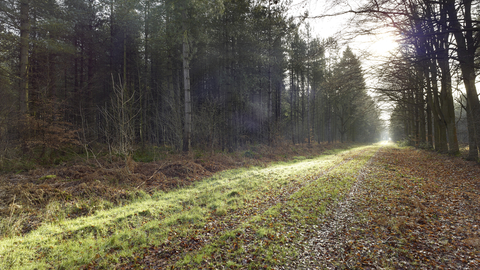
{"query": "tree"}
pixel 24 46
pixel 425 28
pixel 189 72
pixel 466 36
pixel 317 78
pixel 349 93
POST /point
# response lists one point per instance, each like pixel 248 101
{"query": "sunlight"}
pixel 123 228
pixel 382 44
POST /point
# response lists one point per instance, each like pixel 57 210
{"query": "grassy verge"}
pixel 118 236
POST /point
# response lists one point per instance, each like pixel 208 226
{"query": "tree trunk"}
pixel 143 99
pixel 313 117
pixel 429 110
pixel 269 98
pixel 292 120
pixel 421 114
pixel 440 141
pixel 472 144
pixel 474 110
pixel 188 103
pixel 24 44
pixel 466 48
pixel 440 124
pixel 446 99
pixel 269 104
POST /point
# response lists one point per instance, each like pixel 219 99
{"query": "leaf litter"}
pixel 411 210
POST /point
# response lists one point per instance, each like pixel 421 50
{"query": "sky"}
pixel 372 50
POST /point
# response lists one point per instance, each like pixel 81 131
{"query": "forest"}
pixel 432 78
pixel 228 134
pixel 131 74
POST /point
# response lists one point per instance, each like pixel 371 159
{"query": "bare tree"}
pixel 120 120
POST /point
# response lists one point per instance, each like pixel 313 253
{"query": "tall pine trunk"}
pixel 187 133
pixel 24 43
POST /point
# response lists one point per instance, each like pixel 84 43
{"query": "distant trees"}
pixel 347 91
pixel 329 102
pixel 212 74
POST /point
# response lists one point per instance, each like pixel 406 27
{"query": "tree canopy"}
pixel 438 48
pixel 209 74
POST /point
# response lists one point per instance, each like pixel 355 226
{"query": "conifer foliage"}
pixel 192 73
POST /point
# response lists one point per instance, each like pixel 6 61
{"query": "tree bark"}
pixel 446 98
pixel 429 111
pixel 440 139
pixel 188 103
pixel 466 48
pixel 472 144
pixel 24 44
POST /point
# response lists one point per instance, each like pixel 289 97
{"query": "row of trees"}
pixel 439 41
pixel 215 74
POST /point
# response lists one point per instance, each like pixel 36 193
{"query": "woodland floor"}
pixel 404 209
pixel 409 209
pixel 83 182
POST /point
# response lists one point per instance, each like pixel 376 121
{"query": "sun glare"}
pixel 383 44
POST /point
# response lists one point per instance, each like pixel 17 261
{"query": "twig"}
pixel 141 184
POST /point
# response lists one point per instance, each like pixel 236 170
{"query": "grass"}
pixel 110 234
pixel 270 239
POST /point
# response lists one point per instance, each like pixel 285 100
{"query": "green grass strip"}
pixel 121 232
pixel 275 237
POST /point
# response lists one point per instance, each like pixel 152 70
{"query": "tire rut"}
pixel 325 245
pixel 154 259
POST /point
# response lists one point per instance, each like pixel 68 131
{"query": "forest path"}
pixel 376 206
pixel 248 236
pixel 324 246
pixel 268 232
pixel 195 226
pixel 409 209
pixel 391 208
